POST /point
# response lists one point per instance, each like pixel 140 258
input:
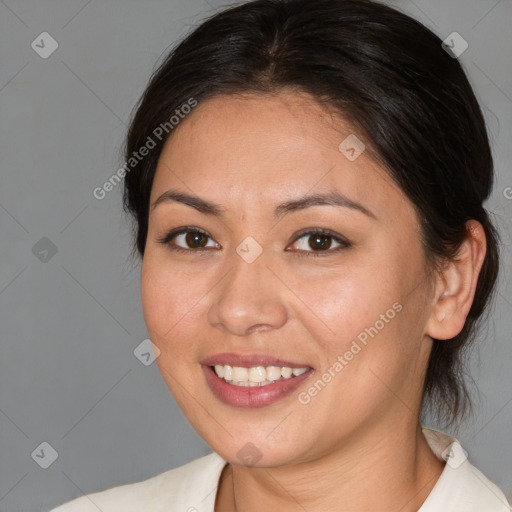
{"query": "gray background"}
pixel 71 321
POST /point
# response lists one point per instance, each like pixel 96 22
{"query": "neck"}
pixel 399 468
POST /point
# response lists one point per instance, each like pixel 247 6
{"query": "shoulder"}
pixel 188 487
pixel 461 487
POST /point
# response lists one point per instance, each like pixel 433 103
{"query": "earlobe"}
pixel 456 285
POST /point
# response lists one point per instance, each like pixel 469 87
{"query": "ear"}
pixel 456 284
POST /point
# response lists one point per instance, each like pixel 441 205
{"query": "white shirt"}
pixel 193 487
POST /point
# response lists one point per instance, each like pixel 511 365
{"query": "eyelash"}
pixel 344 244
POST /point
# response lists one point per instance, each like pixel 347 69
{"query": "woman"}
pixel 307 180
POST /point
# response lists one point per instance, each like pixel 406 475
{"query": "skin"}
pixel 247 154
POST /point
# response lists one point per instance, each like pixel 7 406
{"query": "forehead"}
pixel 263 149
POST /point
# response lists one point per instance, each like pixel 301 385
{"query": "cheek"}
pixel 168 307
pixel 379 332
pixel 170 297
pixel 340 304
pixel 364 319
pixel 157 303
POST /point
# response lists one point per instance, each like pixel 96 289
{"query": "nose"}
pixel 249 299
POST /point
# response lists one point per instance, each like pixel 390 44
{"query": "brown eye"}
pixel 320 242
pixel 316 242
pixel 195 239
pixel 188 240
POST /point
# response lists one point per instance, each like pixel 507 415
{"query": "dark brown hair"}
pixel 389 77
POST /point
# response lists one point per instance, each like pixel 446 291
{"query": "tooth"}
pixel 228 372
pixel 286 372
pixel 244 383
pixel 273 373
pixel 240 374
pixel 257 374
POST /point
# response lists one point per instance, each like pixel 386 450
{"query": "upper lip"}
pixel 249 360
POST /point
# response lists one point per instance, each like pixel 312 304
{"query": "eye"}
pixel 313 242
pixel 188 239
pixel 320 241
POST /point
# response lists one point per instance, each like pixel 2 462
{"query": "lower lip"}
pixel 257 396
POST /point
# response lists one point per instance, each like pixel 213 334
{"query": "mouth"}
pixel 252 380
pixel 256 376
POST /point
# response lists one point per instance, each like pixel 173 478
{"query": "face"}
pixel 294 268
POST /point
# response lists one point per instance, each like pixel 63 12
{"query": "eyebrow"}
pixel 332 198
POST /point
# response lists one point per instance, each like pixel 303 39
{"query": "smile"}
pixel 253 380
pixel 256 376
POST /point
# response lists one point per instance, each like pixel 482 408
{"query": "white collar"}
pixel 461 487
